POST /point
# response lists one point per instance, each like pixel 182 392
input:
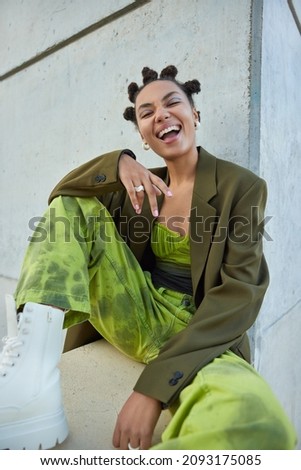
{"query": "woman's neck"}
pixel 182 170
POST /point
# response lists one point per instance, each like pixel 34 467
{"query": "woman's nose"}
pixel 162 113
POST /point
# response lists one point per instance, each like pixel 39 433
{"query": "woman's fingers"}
pixel 136 422
pixel 140 182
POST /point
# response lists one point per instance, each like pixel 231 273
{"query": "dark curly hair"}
pixel 168 73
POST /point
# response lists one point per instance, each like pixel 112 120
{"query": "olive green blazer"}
pixel 228 268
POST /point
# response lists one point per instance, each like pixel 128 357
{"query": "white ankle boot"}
pixel 31 410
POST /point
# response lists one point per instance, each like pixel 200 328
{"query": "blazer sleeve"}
pixel 227 309
pixel 93 178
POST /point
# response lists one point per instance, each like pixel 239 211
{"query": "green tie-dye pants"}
pixel 77 261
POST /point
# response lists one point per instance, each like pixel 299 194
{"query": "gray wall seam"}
pixel 255 84
pixel 75 37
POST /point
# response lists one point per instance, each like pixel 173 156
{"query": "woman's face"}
pixel 165 119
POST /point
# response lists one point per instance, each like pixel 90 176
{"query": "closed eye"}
pixel 146 113
pixel 173 101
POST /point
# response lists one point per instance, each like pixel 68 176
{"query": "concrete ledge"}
pixel 96 381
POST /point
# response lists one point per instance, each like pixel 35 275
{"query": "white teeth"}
pixel 168 129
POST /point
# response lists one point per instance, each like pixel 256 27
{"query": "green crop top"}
pixel 172 252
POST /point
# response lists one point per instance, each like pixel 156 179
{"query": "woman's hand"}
pixel 136 422
pixel 132 174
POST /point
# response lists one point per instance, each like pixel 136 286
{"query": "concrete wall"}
pixel 278 328
pixel 64 72
pixel 67 107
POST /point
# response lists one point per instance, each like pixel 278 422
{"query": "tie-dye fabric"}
pixel 228 406
pixel 76 260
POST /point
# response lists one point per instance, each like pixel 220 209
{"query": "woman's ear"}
pixel 145 145
pixel 196 115
pixel 142 138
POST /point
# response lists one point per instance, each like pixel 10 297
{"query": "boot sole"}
pixel 43 432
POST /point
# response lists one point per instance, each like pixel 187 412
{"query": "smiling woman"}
pixel 168 123
pixel 145 263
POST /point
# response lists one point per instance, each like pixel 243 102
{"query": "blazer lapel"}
pixel 203 215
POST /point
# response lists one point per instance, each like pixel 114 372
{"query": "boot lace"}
pixel 9 354
pixel 12 342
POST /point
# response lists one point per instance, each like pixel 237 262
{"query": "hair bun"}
pixel 149 75
pixel 169 72
pixel 193 86
pixel 129 114
pixel 132 90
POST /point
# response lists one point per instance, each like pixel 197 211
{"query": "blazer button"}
pixel 100 178
pixel 176 377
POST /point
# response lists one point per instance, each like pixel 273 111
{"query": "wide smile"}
pixel 169 134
